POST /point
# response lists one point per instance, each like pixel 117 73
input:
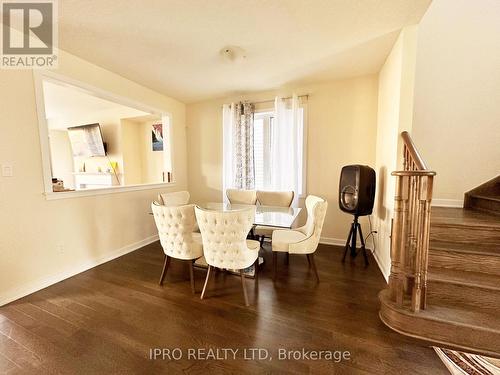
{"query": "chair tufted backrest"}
pixel 178 198
pixel 224 236
pixel 241 196
pixel 175 229
pixel 275 198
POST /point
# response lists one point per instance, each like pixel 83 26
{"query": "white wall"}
pixel 395 105
pixel 457 94
pixel 342 121
pixel 43 241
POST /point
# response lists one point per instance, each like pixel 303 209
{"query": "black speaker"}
pixel 357 189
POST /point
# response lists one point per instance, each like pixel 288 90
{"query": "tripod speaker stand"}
pixel 356 197
pixel 352 240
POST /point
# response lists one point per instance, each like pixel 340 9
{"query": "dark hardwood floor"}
pixel 106 321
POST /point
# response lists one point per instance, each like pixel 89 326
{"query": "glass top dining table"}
pixel 270 216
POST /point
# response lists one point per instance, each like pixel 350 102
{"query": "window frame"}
pixel 304 142
pixel 266 117
pixel 39 77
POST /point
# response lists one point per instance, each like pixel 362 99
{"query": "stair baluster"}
pixel 411 228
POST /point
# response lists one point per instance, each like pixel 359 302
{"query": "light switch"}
pixel 7 170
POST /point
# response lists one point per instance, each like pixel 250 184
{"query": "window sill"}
pixel 104 191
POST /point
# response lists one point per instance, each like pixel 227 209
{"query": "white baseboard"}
pixel 385 272
pixel 31 287
pixel 454 203
pixel 338 242
pixel 332 241
pixel 341 242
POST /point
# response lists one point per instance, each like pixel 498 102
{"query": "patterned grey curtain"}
pixel 244 177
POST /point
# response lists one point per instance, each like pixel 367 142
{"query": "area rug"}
pixel 459 363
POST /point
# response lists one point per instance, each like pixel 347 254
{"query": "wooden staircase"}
pixel 460 277
pixel 485 198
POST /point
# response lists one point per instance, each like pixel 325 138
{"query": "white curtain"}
pixel 286 150
pixel 238 158
pixel 228 118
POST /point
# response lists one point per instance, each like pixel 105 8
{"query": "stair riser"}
pixel 465 261
pixel 462 234
pixel 463 295
pixel 487 205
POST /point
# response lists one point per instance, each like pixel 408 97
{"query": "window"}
pixel 266 170
pixel 93 141
pixel 262 149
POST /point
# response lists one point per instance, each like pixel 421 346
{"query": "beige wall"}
pixel 395 104
pixel 111 128
pixel 61 157
pixel 342 119
pixel 153 162
pixel 457 94
pixel 43 241
pixel 142 164
pixel 132 150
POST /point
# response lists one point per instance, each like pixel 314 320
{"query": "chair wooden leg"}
pixel 308 260
pixel 256 267
pixel 262 241
pixel 242 275
pixel 287 259
pixel 275 264
pixel 206 282
pixel 165 268
pixel 191 276
pixel 313 263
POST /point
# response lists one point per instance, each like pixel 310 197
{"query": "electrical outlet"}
pixel 60 248
pixel 7 170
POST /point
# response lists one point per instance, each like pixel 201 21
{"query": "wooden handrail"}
pixel 413 152
pixel 413 173
pixel 411 228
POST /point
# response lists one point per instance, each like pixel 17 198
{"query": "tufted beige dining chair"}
pixel 177 198
pixel 175 229
pixel 271 198
pixel 237 196
pixel 303 240
pixel 225 245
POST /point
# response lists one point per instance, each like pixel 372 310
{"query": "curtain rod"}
pixel 272 100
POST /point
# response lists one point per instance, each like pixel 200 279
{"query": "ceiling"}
pixel 173 46
pixel 66 105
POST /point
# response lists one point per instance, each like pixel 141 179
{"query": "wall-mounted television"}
pixel 86 140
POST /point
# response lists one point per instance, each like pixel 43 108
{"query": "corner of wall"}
pixel 396 97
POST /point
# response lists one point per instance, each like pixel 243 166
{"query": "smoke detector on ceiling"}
pixel 233 53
